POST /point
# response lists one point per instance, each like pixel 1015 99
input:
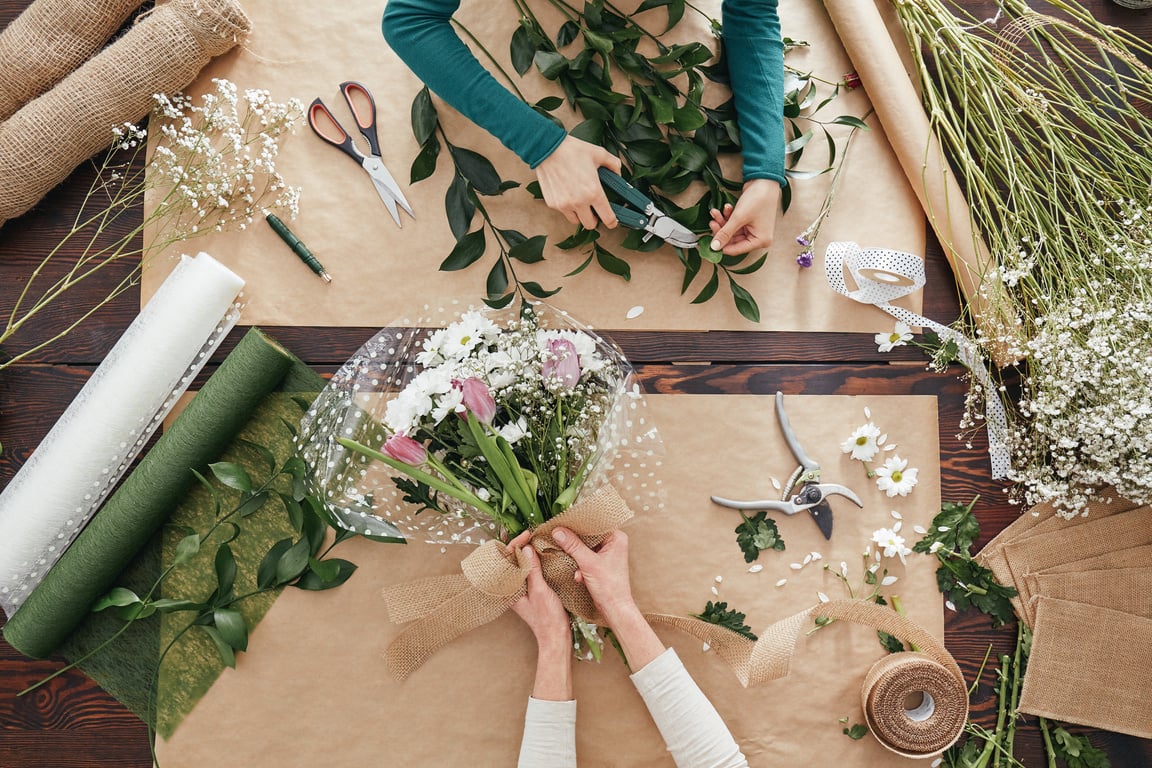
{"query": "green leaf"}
pixel 583 265
pixel 855 122
pixel 116 597
pixel 719 614
pixel 266 573
pixel 533 188
pixel 424 117
pixel 753 267
pixel 535 289
pixel 744 302
pixel 501 302
pixel 293 562
pixel 692 262
pixel 170 605
pixel 294 510
pixel 550 63
pixel 567 33
pixel 549 103
pixel 312 581
pixel 688 117
pixel 856 732
pixel 325 569
pixel 709 289
pixel 578 239
pixel 497 281
pixel 522 49
pixel 459 206
pixel 1077 751
pixel 479 171
pixel 253 504
pixel 187 549
pixel 529 251
pixel 798 143
pixel 891 643
pixel 425 163
pixel 591 131
pixel 314 531
pixel 600 42
pixel 610 263
pixel 232 475
pixel 232 627
pixel 756 534
pixel 467 252
pixel 225 571
pixel 227 654
pixel 706 252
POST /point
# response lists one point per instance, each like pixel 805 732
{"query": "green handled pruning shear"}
pixel 641 213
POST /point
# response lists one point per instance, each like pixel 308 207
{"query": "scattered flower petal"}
pixel 635 312
pixel 706 648
pixel 715 591
pixel 888 581
pixel 896 515
pixel 782 582
pixel 775 483
pixel 867 413
pixel 755 568
pixel 795 566
pixel 919 529
pixel 719 579
pixel 950 605
pixel 807 559
pixel 823 597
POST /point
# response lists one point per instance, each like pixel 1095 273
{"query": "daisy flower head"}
pixel 895 478
pixel 890 543
pixel 899 336
pixel 862 444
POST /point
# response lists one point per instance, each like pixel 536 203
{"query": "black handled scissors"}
pixel 326 126
pixel 641 213
pixel 810 494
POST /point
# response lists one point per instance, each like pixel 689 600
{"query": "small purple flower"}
pixel 805 259
pixel 405 449
pixel 561 363
pixel 803 241
pixel 478 399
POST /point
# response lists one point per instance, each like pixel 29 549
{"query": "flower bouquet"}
pixel 478 429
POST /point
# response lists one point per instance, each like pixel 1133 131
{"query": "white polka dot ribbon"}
pixel 882 276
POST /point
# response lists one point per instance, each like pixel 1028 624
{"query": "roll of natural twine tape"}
pixel 50 39
pixel 914 705
pixel 47 138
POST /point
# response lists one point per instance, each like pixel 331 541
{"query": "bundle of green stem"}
pixel 1045 119
pixel 213 168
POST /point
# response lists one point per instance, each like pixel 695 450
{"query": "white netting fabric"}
pixel 407 379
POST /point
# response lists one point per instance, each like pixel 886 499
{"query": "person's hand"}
pixel 541 608
pixel 603 571
pixel 751 224
pixel 570 185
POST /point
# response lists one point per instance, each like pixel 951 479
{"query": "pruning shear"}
pixel 810 494
pixel 641 213
pixel 326 126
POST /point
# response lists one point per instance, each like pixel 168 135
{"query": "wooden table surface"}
pixel 73 723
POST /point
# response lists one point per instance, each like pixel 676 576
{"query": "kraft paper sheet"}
pixel 313 686
pixel 305 48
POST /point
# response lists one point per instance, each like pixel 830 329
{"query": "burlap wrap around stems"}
pixel 493 578
pixel 46 139
pixel 50 39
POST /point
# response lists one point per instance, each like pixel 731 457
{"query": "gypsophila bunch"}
pixel 1088 401
pixel 213 169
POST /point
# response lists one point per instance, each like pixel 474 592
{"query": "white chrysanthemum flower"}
pixel 514 431
pixel 891 543
pixel 862 444
pixel 460 338
pixel 450 402
pixel 895 478
pixel 899 336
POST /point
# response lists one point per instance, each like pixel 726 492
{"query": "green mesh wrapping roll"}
pixel 145 499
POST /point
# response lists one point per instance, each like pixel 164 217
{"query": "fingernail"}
pixel 527 551
pixel 560 535
pixel 716 244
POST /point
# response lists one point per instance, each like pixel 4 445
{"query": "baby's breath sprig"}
pixel 213 169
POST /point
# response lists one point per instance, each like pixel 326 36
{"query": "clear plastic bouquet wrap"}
pixel 479 428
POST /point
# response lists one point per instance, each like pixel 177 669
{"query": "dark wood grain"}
pixel 72 723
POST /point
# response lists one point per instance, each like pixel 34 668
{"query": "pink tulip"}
pixel 478 399
pixel 405 449
pixel 562 363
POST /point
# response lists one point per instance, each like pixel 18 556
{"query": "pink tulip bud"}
pixel 562 363
pixel 478 399
pixel 405 449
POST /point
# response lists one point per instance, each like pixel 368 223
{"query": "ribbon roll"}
pixel 883 276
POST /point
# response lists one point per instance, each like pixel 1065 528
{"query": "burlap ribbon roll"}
pixel 492 579
pixel 50 39
pixel 46 139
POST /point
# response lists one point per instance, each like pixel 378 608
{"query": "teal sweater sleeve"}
pixel 420 32
pixel 756 66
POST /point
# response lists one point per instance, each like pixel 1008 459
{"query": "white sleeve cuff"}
pixel 549 735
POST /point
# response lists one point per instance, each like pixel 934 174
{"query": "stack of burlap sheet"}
pixel 1084 585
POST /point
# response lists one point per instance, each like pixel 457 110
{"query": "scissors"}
pixel 811 494
pixel 326 126
pixel 645 215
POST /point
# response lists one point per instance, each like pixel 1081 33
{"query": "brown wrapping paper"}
pixel 322 651
pixel 302 48
pixel 875 46
pixel 1090 665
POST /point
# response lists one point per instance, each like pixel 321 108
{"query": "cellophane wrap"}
pixel 625 447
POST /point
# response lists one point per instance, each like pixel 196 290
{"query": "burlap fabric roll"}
pixel 46 139
pixel 49 40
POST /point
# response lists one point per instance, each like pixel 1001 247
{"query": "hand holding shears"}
pixel 639 212
pixel 322 122
pixel 811 494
